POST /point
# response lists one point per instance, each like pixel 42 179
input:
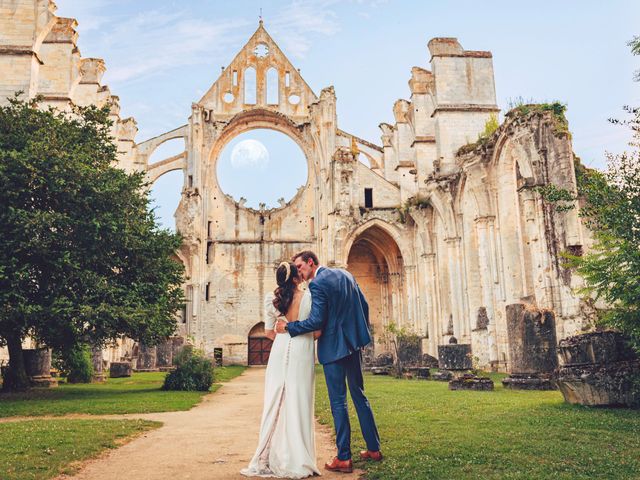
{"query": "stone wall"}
pixel 454 235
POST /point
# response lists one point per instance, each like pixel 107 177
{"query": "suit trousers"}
pixel 348 370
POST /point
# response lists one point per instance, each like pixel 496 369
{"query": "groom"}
pixel 340 310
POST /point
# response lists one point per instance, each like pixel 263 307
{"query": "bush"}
pixel 193 372
pixel 75 364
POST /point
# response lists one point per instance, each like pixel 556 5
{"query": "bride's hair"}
pixel 285 274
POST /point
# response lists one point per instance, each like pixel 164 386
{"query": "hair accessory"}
pixel 288 267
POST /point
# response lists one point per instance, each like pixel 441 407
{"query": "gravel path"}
pixel 213 440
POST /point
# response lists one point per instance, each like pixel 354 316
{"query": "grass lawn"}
pixel 429 432
pixel 139 393
pixel 42 449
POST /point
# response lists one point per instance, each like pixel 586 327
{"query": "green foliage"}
pixel 557 108
pixel 430 432
pixel 193 372
pixel 405 343
pixel 635 50
pixel 83 260
pixel 43 449
pixel 418 202
pixel 612 212
pixel 76 364
pixel 562 199
pixel 490 127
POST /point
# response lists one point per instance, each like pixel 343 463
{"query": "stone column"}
pixel 164 355
pixel 457 291
pixel 487 274
pixel 532 347
pixel 98 365
pixel 38 366
pixel 146 358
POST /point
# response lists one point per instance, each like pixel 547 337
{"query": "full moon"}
pixel 250 154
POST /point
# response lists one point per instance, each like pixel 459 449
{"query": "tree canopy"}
pixel 82 257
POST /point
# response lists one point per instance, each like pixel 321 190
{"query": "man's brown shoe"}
pixel 369 455
pixel 337 465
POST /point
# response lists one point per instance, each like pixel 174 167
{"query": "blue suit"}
pixel 339 309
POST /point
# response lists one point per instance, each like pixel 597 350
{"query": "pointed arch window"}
pixel 250 86
pixel 273 87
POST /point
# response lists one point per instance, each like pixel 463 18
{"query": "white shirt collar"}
pixel 317 270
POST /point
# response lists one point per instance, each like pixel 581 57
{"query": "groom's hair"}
pixel 306 255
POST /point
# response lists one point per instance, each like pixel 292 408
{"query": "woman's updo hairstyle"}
pixel 285 273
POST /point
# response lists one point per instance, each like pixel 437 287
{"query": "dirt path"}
pixel 214 440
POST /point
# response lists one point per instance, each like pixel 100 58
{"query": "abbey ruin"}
pixel 442 232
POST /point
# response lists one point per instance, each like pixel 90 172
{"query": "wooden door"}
pixel 259 349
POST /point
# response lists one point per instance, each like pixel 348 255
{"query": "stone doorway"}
pixel 259 346
pixel 377 265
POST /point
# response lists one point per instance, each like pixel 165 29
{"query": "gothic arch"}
pixel 389 229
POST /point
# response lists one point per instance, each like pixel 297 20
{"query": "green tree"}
pixel 82 258
pixel 612 212
pixel 611 209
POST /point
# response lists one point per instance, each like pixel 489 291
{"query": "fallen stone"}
pixel 442 376
pixel 380 370
pixel 120 369
pixel 471 382
pixel 599 369
pixel 529 381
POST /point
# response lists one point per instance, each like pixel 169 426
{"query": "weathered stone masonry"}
pixel 440 241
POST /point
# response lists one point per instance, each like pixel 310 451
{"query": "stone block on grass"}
pixel 120 369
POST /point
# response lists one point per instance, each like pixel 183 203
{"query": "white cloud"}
pixel 151 41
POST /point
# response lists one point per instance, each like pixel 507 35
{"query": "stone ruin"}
pixel 442 230
pixel 532 348
pixel 469 381
pixel 412 362
pixel 599 369
pixel 98 365
pixel 37 362
pixel 120 369
pixel 38 365
pixel 158 357
pixel 455 363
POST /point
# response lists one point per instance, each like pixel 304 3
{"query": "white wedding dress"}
pixel 286 447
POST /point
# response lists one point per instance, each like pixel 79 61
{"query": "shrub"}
pixel 193 372
pixel 75 364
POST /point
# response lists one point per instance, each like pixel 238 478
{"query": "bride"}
pixel 286 447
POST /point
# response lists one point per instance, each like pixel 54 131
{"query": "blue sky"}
pixel 163 55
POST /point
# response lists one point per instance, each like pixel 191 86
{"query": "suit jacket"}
pixel 339 309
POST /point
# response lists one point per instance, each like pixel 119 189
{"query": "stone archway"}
pixel 259 346
pixel 377 264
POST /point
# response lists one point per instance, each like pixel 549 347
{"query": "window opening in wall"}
pixel 190 181
pixel 165 197
pixel 250 86
pixel 208 251
pixel 262 166
pixel 206 291
pixel 362 158
pixel 261 50
pixel 368 198
pixel 209 228
pixel 167 149
pixel 235 78
pixel 183 313
pixel 273 88
pixel 286 79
